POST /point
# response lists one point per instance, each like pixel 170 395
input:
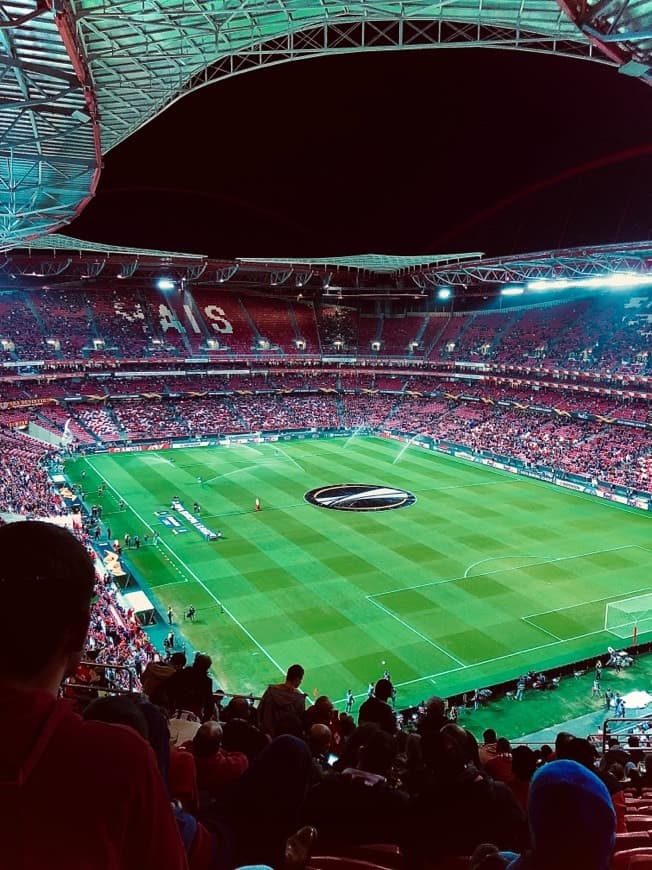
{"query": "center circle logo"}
pixel 360 497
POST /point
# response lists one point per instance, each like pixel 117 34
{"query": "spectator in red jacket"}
pixel 500 766
pixel 57 770
pixel 215 768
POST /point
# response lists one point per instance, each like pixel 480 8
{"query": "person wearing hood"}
pixel 57 771
pixel 458 805
pixel 572 820
pixel 281 700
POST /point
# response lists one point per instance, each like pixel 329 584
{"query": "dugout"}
pixel 144 610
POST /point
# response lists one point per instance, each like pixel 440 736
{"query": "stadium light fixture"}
pixel 165 284
pixel 617 281
pixel 444 293
pixel 512 291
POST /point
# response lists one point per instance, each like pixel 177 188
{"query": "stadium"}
pixel 418 476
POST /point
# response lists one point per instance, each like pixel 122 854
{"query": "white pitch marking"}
pixel 291 458
pixel 418 633
pixel 494 558
pixel 198 580
pixel 518 652
pixel 540 628
pixel 545 561
pixel 135 512
pixel 592 601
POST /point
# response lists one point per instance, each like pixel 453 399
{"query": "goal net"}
pixel 621 618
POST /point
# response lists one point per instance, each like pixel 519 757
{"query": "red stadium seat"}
pixel 451 862
pixel 641 859
pixel 638 822
pixel 386 854
pixel 632 840
pixel 341 862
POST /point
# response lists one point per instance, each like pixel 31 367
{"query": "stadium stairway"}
pixel 153 328
pixel 86 428
pixel 419 337
pixel 508 324
pixel 92 324
pixel 189 299
pixel 435 341
pixel 249 319
pixel 29 302
pixel 293 321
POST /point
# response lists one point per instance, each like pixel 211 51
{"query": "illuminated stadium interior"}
pixel 190 415
pixel 517 368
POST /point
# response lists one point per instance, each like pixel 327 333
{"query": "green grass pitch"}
pixel 486 576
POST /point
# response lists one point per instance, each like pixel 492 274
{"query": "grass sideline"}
pixel 486 576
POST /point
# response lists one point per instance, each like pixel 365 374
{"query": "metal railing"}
pixel 99 686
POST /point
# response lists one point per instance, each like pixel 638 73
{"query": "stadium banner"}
pixel 612 496
pixel 26 403
pixel 206 442
pixel 140 448
pixel 576 487
pixel 630 500
pixel 548 476
pixel 279 435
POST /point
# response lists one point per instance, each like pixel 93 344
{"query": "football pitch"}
pixel 484 577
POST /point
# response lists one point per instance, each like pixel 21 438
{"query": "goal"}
pixel 622 617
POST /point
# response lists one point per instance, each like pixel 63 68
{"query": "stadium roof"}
pixel 57 242
pixel 378 264
pixel 59 261
pixel 634 259
pixel 56 254
pixel 79 76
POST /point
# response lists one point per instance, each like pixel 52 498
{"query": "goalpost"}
pixel 629 617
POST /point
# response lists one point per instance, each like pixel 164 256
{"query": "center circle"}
pixel 360 497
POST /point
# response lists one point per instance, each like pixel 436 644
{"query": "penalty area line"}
pixel 541 628
pixel 547 560
pixel 613 597
pixel 411 628
pixel 518 652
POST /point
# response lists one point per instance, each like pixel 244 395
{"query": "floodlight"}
pixel 165 284
pixel 549 284
pixel 617 280
pixel 444 293
pixel 512 291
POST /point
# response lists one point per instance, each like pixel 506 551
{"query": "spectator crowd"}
pixel 172 778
